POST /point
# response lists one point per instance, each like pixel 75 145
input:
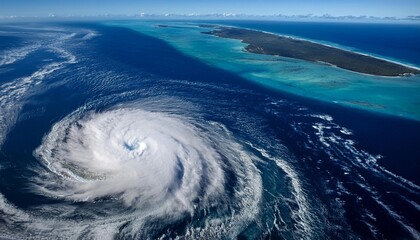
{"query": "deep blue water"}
pixel 318 163
pixel 391 40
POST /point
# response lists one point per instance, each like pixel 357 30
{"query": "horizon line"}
pixel 240 16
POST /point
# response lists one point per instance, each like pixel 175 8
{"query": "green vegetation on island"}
pixel 267 43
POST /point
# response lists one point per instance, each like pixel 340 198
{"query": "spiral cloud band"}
pixel 162 165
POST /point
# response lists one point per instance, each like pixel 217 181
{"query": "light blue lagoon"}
pixel 398 96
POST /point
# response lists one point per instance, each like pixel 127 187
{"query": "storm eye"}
pixel 131 146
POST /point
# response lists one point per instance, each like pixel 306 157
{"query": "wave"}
pixel 90 35
pixel 361 169
pixel 17 54
pixel 13 92
pixel 303 215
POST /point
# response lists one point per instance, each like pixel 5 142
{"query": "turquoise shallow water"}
pixel 108 133
pixel 398 96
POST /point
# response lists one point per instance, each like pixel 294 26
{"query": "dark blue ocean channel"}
pixel 344 177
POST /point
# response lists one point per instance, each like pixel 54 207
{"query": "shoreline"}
pixel 408 114
pixel 336 47
pixel 319 42
pixel 263 42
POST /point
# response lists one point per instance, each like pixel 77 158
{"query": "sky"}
pixel 376 8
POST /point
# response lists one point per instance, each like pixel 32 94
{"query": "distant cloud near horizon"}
pixel 308 8
pixel 279 17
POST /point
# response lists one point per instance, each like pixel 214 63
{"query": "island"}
pixel 268 43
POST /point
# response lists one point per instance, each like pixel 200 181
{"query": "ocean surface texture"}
pixel 154 130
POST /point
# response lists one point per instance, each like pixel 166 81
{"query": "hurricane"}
pixel 114 133
pixel 161 164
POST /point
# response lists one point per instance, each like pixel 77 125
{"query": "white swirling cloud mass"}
pixel 161 164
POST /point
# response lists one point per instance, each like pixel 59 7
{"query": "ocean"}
pixel 122 129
